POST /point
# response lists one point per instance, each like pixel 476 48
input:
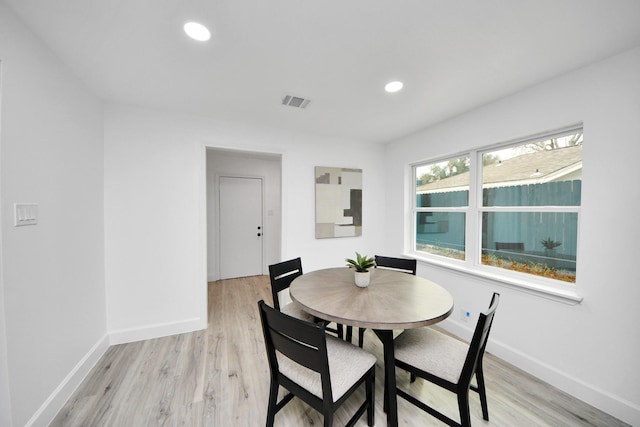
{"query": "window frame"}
pixel 472 264
pixel 451 209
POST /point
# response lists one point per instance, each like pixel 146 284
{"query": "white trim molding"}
pixel 607 402
pixel 160 330
pixel 56 400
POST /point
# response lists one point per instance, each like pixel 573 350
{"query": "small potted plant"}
pixel 549 246
pixel 361 264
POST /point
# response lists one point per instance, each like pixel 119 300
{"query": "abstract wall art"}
pixel 338 202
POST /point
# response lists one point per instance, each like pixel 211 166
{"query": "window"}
pixel 442 201
pixel 513 209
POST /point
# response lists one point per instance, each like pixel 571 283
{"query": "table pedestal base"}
pixel 390 399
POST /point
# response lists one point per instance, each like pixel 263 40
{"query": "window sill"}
pixel 566 296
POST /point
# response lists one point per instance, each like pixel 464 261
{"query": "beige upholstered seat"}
pixel 343 375
pixel 432 351
pixel 294 310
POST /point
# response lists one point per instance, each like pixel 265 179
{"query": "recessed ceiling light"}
pixel 393 86
pixel 197 31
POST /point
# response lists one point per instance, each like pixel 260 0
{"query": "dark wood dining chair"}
pixel 281 275
pixel 318 368
pixel 404 265
pixel 447 362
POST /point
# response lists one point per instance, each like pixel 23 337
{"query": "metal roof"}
pixel 537 167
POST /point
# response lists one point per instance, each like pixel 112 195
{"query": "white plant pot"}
pixel 362 279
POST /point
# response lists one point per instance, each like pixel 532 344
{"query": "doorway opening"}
pixel 233 180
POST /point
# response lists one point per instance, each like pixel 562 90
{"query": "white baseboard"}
pixel 157 331
pixel 56 400
pixel 607 402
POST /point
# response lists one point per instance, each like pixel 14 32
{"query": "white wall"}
pixel 153 215
pixel 237 163
pixel 52 290
pixel 53 273
pixel 155 220
pixel 590 349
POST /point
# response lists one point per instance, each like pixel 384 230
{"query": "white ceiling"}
pixel 452 55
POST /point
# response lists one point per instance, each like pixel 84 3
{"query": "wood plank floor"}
pixel 219 377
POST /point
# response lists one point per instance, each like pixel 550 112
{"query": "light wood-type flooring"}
pixel 219 377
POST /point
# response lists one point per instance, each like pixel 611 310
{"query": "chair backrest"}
pixel 479 341
pixel 303 342
pixel 400 264
pixel 281 275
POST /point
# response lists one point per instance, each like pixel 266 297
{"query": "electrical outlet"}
pixel 465 315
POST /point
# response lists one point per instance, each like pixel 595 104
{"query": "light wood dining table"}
pixel 392 301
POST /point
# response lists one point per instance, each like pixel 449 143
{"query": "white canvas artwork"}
pixel 338 202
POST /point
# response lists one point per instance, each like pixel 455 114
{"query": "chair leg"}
pixel 349 336
pixel 370 388
pixel 361 336
pixel 271 409
pixel 328 419
pixel 463 406
pixel 483 393
pixel 384 396
pixel 340 330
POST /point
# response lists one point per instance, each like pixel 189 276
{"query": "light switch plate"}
pixel 25 214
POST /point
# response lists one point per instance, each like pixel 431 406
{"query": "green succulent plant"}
pixel 549 243
pixel 362 264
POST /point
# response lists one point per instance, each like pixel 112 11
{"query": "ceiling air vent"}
pixel 295 101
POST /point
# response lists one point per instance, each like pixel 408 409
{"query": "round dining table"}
pixel 392 301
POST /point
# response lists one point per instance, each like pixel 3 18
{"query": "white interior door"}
pixel 240 207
